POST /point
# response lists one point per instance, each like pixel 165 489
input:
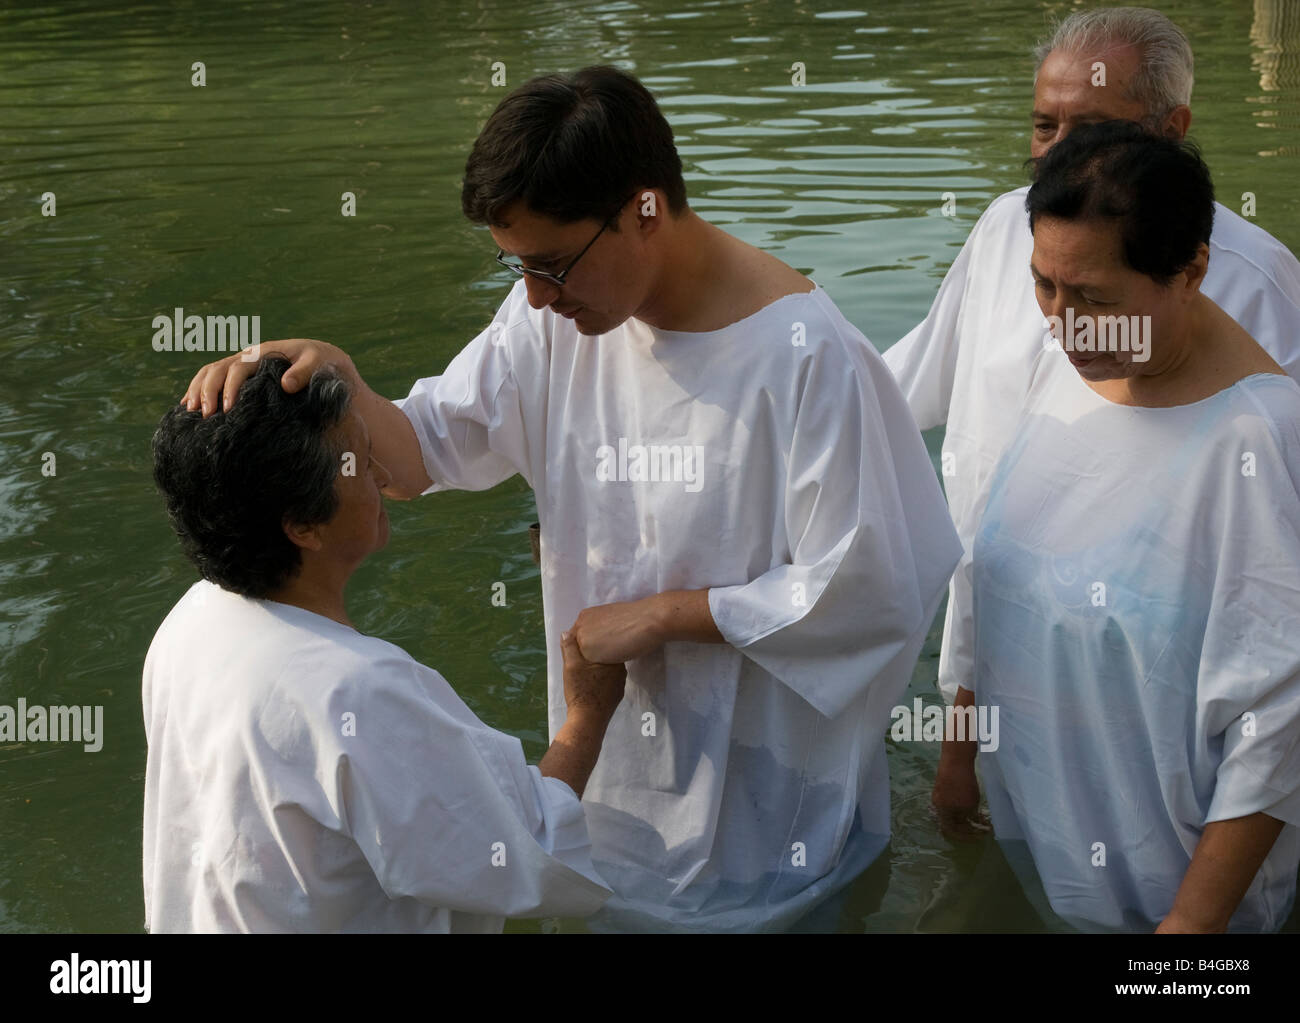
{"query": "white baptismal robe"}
pixel 307 777
pixel 741 782
pixel 1136 613
pixel 967 363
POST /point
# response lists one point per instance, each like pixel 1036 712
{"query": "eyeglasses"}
pixel 559 278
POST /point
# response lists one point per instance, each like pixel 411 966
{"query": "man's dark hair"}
pixel 232 481
pixel 1158 189
pixel 572 147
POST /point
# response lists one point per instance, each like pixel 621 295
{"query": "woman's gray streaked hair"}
pixel 1164 76
pixel 233 480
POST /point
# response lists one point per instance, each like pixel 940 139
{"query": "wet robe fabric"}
pixel 967 363
pixel 310 778
pixel 1136 596
pixel 740 783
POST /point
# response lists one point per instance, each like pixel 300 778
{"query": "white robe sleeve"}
pixel 470 421
pixel 1256 280
pixel 924 361
pixel 1248 681
pixel 871 543
pixel 445 809
pixel 957 655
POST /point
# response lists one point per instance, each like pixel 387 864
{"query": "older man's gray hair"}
pixel 1164 76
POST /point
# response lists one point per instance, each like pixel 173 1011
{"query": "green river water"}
pixel 226 198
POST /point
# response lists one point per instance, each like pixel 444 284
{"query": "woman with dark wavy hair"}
pixel 312 778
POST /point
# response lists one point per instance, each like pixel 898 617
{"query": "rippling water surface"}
pixel 226 199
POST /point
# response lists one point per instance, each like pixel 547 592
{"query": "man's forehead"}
pixel 523 232
pixel 1074 76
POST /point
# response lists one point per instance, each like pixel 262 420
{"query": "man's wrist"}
pixel 681 615
pixel 659 612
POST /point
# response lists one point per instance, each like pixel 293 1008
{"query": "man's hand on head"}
pixel 396 446
pixel 215 386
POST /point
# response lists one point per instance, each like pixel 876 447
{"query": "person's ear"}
pixel 306 537
pixel 650 206
pixel 1196 270
pixel 1178 121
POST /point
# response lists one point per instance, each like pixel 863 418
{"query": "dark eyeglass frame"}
pixel 559 278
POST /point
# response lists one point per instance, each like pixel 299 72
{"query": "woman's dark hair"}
pixel 232 481
pixel 572 147
pixel 1158 189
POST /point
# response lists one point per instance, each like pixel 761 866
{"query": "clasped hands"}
pixel 620 632
pixel 624 631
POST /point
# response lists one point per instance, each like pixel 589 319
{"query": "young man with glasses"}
pixel 734 502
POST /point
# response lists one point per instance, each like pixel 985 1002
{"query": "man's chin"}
pixel 591 327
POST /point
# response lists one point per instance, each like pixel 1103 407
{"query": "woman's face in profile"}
pixel 1111 320
pixel 360 523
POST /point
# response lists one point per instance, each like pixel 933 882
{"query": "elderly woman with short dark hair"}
pixel 1135 579
pixel 312 778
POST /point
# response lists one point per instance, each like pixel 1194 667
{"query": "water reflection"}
pixel 228 196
